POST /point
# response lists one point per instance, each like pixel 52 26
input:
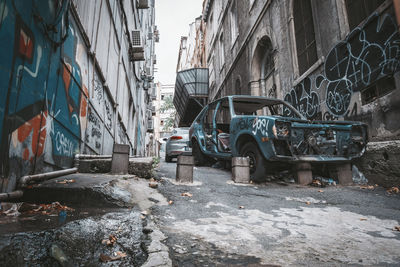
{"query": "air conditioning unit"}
pixel 142 4
pixel 137 44
pixel 136 51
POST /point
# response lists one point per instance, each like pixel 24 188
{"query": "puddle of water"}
pixel 39 222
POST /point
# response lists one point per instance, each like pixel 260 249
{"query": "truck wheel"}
pixel 199 157
pixel 257 162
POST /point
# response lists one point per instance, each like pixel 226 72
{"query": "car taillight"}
pixel 176 137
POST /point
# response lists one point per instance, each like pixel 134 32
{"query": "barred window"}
pixel 305 35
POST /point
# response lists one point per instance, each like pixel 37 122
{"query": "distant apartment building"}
pixel 75 79
pixel 330 59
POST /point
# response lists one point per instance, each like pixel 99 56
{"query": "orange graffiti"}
pixel 84 101
pixel 38 136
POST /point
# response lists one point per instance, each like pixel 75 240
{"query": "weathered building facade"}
pixel 74 78
pixel 332 59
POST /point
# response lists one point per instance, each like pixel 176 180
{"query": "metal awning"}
pixel 191 94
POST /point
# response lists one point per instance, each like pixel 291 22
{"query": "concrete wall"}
pixel 67 84
pixel 348 62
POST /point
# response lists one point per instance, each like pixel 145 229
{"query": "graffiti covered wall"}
pixel 54 103
pixel 369 54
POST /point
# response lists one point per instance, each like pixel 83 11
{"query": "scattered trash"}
pixel 145 213
pixel 118 255
pixel 370 187
pixel 170 202
pixel 393 190
pixel 396 228
pixel 241 207
pixel 62 216
pixel 58 254
pixel 10 209
pixel 358 176
pixel 186 194
pixel 363 219
pixel 66 181
pixel 110 241
pixel 153 184
pixel 322 181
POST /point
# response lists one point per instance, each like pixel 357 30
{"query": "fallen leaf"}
pixel 66 181
pixel 393 190
pixel 320 191
pixel 170 202
pixel 186 194
pixel 142 217
pixel 153 184
pixel 308 202
pixel 363 219
pixel 396 228
pixel 241 207
pixel 106 258
pixel 370 187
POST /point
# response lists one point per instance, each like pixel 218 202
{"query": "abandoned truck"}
pixel 269 130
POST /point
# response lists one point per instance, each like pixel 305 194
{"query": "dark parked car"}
pixel 269 130
pixel 177 143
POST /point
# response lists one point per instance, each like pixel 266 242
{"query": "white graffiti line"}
pixel 63 145
pixel 260 125
pixel 76 119
pixel 32 73
pixel 49 119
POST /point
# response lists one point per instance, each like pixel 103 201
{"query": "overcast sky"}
pixel 172 19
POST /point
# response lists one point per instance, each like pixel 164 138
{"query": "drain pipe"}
pixel 11 195
pixel 23 182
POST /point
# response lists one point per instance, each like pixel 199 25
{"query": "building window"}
pixel 359 10
pixel 162 97
pixel 377 90
pixel 221 51
pixel 304 34
pixel 234 26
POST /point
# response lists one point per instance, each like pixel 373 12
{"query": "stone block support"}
pixel 120 159
pixel 343 173
pixel 184 169
pixel 303 173
pixel 241 170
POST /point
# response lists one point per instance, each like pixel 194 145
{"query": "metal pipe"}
pixel 44 176
pixel 11 195
pixel 84 156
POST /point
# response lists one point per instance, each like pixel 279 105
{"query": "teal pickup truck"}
pixel 269 130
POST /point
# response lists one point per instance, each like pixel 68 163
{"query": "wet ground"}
pixel 100 220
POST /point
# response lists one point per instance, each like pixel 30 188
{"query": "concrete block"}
pixel 184 169
pixel 120 159
pixel 241 170
pixel 142 167
pixel 343 173
pixel 303 173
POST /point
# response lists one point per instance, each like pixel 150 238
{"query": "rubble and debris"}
pixel 117 256
pixel 322 181
pixel 58 254
pixel 66 181
pixel 186 194
pixel 110 241
pixel 170 202
pixel 358 176
pixel 153 184
pixel 363 219
pixel 396 228
pixel 241 207
pixel 320 191
pixel 53 209
pixel 145 213
pixel 370 187
pixel 393 190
